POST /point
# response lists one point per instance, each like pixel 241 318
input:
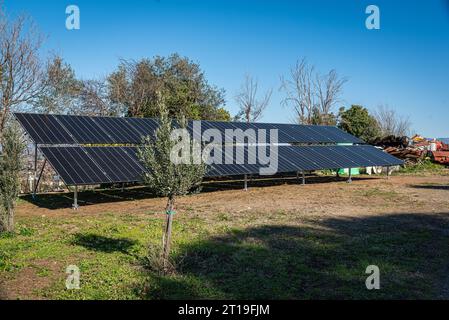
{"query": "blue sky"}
pixel 404 65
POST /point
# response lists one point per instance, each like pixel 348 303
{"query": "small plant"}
pixel 25 231
pixel 156 262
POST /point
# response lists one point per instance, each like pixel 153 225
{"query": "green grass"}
pixel 425 168
pixel 222 255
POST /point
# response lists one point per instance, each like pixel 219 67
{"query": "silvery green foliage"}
pixel 163 176
pixel 10 167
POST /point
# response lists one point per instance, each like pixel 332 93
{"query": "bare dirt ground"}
pixel 285 202
pixel 321 197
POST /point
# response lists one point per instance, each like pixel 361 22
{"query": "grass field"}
pixel 283 241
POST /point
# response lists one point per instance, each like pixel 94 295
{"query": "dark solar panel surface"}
pixel 94 165
pixel 64 129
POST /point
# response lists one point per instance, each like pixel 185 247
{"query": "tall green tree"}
pixel 10 167
pixel 181 82
pixel 359 122
pixel 163 175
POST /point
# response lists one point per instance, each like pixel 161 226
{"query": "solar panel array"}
pixel 70 144
pixel 63 129
pixel 95 165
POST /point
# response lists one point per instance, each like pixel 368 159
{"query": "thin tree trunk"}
pixel 10 220
pixel 168 229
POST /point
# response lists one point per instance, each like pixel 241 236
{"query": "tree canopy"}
pixel 180 81
pixel 357 121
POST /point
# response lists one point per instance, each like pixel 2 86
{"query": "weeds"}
pixel 425 167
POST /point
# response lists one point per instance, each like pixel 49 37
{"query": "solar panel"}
pixel 84 129
pixel 119 129
pixel 95 165
pixel 44 129
pixel 143 126
pixel 64 129
pixel 116 163
pixel 74 165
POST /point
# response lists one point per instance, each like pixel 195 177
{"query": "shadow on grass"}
pixel 56 201
pixel 430 186
pixel 324 259
pixel 104 244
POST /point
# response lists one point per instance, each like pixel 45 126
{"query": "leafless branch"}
pixel 21 76
pixel 391 123
pixel 251 107
pixel 309 93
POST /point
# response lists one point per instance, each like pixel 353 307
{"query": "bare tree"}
pixel 328 89
pixel 21 77
pixel 299 90
pixel 311 95
pixel 391 123
pixel 251 107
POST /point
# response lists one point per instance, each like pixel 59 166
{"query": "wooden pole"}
pixel 168 230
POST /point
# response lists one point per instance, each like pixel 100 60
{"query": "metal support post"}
pixel 75 199
pixel 388 173
pixel 246 183
pixel 35 167
pixel 38 179
pixel 303 178
pixel 350 176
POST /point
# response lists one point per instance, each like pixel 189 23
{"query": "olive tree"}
pixel 10 166
pixel 164 176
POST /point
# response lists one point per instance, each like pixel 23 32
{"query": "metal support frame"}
pixel 123 187
pixel 36 184
pixel 245 185
pixel 35 168
pixel 388 172
pixel 303 182
pixel 75 205
pixel 350 176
